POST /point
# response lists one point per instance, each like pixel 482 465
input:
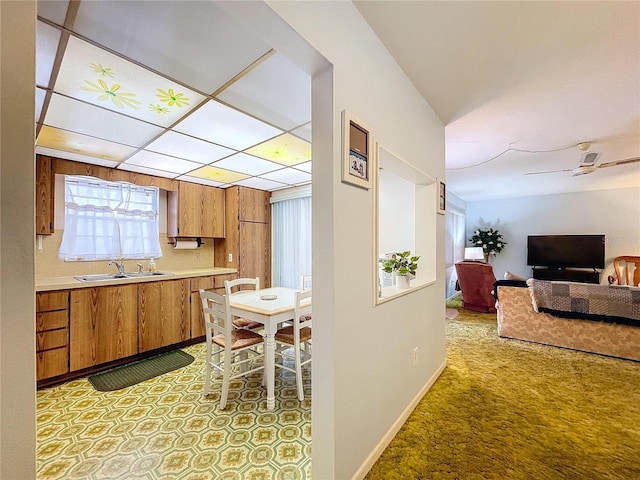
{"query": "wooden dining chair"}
pixel 298 336
pixel 235 286
pixel 305 282
pixel 627 271
pixel 230 351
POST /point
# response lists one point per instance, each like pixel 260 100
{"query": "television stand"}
pixel 566 275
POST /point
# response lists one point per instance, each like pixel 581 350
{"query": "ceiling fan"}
pixel 588 162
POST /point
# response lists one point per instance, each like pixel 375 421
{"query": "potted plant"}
pixel 490 240
pixel 403 265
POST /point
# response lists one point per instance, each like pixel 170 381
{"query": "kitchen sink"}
pixel 99 277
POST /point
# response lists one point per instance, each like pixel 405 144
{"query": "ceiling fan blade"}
pixel 619 162
pixel 549 171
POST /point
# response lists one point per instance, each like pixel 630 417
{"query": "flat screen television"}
pixel 565 251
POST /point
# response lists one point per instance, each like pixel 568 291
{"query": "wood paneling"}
pixel 103 325
pixel 44 196
pixel 164 315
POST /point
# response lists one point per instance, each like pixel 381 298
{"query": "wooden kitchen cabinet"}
pixel 104 325
pixel 52 334
pixel 45 186
pixel 212 284
pixel 164 313
pixel 248 234
pixel 196 211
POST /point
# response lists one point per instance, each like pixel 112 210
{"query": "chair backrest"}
pixel 302 311
pixel 476 281
pixel 627 270
pixel 229 285
pixel 216 314
pixel 305 282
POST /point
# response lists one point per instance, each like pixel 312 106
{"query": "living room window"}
pixel 109 220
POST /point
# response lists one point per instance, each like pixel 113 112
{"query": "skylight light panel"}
pixel 217 174
pixel 288 175
pixel 47 39
pixel 260 184
pixel 243 163
pixel 52 152
pixel 183 146
pixel 82 144
pixel 161 162
pixel 286 149
pixel 145 170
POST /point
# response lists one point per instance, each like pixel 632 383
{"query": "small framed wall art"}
pixel 442 197
pixel 357 151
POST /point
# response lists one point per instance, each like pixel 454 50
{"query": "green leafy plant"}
pixel 402 263
pixel 489 239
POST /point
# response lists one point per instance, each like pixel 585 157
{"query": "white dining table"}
pixel 260 306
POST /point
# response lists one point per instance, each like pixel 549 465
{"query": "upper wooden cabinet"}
pixel 196 211
pixel 254 205
pixel 45 185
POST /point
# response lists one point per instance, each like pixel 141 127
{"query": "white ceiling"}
pixel 174 89
pixel 519 85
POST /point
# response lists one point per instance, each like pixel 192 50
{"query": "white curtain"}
pixel 291 245
pixel 109 220
pixel 454 247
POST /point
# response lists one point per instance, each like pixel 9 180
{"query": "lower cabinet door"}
pixel 164 316
pixel 52 363
pixel 104 325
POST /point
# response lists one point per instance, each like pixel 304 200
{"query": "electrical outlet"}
pixel 230 257
pixel 415 356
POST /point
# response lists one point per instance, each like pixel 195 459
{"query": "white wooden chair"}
pixel 230 286
pixel 298 336
pixel 305 282
pixel 230 350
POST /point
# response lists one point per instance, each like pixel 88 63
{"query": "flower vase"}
pixel 402 282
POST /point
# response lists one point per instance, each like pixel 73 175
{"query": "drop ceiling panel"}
pixel 223 125
pixel 146 170
pixel 47 39
pixel 76 116
pixel 56 11
pixel 290 176
pixel 203 181
pixel 194 149
pixel 217 174
pixel 304 166
pixel 261 184
pixel 196 43
pixel 52 152
pixel 81 144
pixel 95 76
pixel 248 164
pixel 177 166
pixel 303 132
pixel 40 94
pixel 286 149
pixel 275 91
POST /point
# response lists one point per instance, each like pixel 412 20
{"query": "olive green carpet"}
pixel 506 409
pixel 136 372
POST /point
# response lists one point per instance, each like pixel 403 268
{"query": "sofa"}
pixel 589 318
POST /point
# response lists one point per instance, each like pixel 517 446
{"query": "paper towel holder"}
pixel 174 240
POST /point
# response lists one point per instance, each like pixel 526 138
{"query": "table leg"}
pixel 269 365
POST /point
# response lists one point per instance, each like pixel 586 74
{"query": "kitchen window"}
pixel 109 220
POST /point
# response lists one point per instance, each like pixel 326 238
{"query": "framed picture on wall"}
pixel 442 197
pixel 357 151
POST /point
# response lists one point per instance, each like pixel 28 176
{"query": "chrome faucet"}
pixel 119 266
pixel 139 267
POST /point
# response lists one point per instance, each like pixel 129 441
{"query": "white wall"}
pixel 17 234
pixel 616 213
pixel 363 378
pixel 397 212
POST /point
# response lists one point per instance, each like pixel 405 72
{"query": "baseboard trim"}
pixel 395 428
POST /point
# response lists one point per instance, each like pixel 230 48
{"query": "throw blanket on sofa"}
pixel 609 303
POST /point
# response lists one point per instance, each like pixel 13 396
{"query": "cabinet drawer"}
pixel 48 301
pixel 52 363
pixel 52 339
pixel 218 280
pixel 205 283
pixel 52 320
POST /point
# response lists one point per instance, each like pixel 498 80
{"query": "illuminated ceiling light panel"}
pixel 261 184
pixel 203 181
pixel 76 116
pixel 304 166
pixel 77 143
pixel 51 152
pixel 217 174
pixel 223 125
pixel 95 76
pixel 47 39
pixel 40 94
pixel 145 170
pixel 290 176
pixel 275 90
pixel 285 150
pixel 183 146
pixel 248 164
pixel 303 132
pixel 161 162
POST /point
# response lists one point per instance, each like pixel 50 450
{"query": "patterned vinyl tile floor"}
pixel 165 429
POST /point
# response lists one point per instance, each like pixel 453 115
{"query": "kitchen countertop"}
pixel 66 283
